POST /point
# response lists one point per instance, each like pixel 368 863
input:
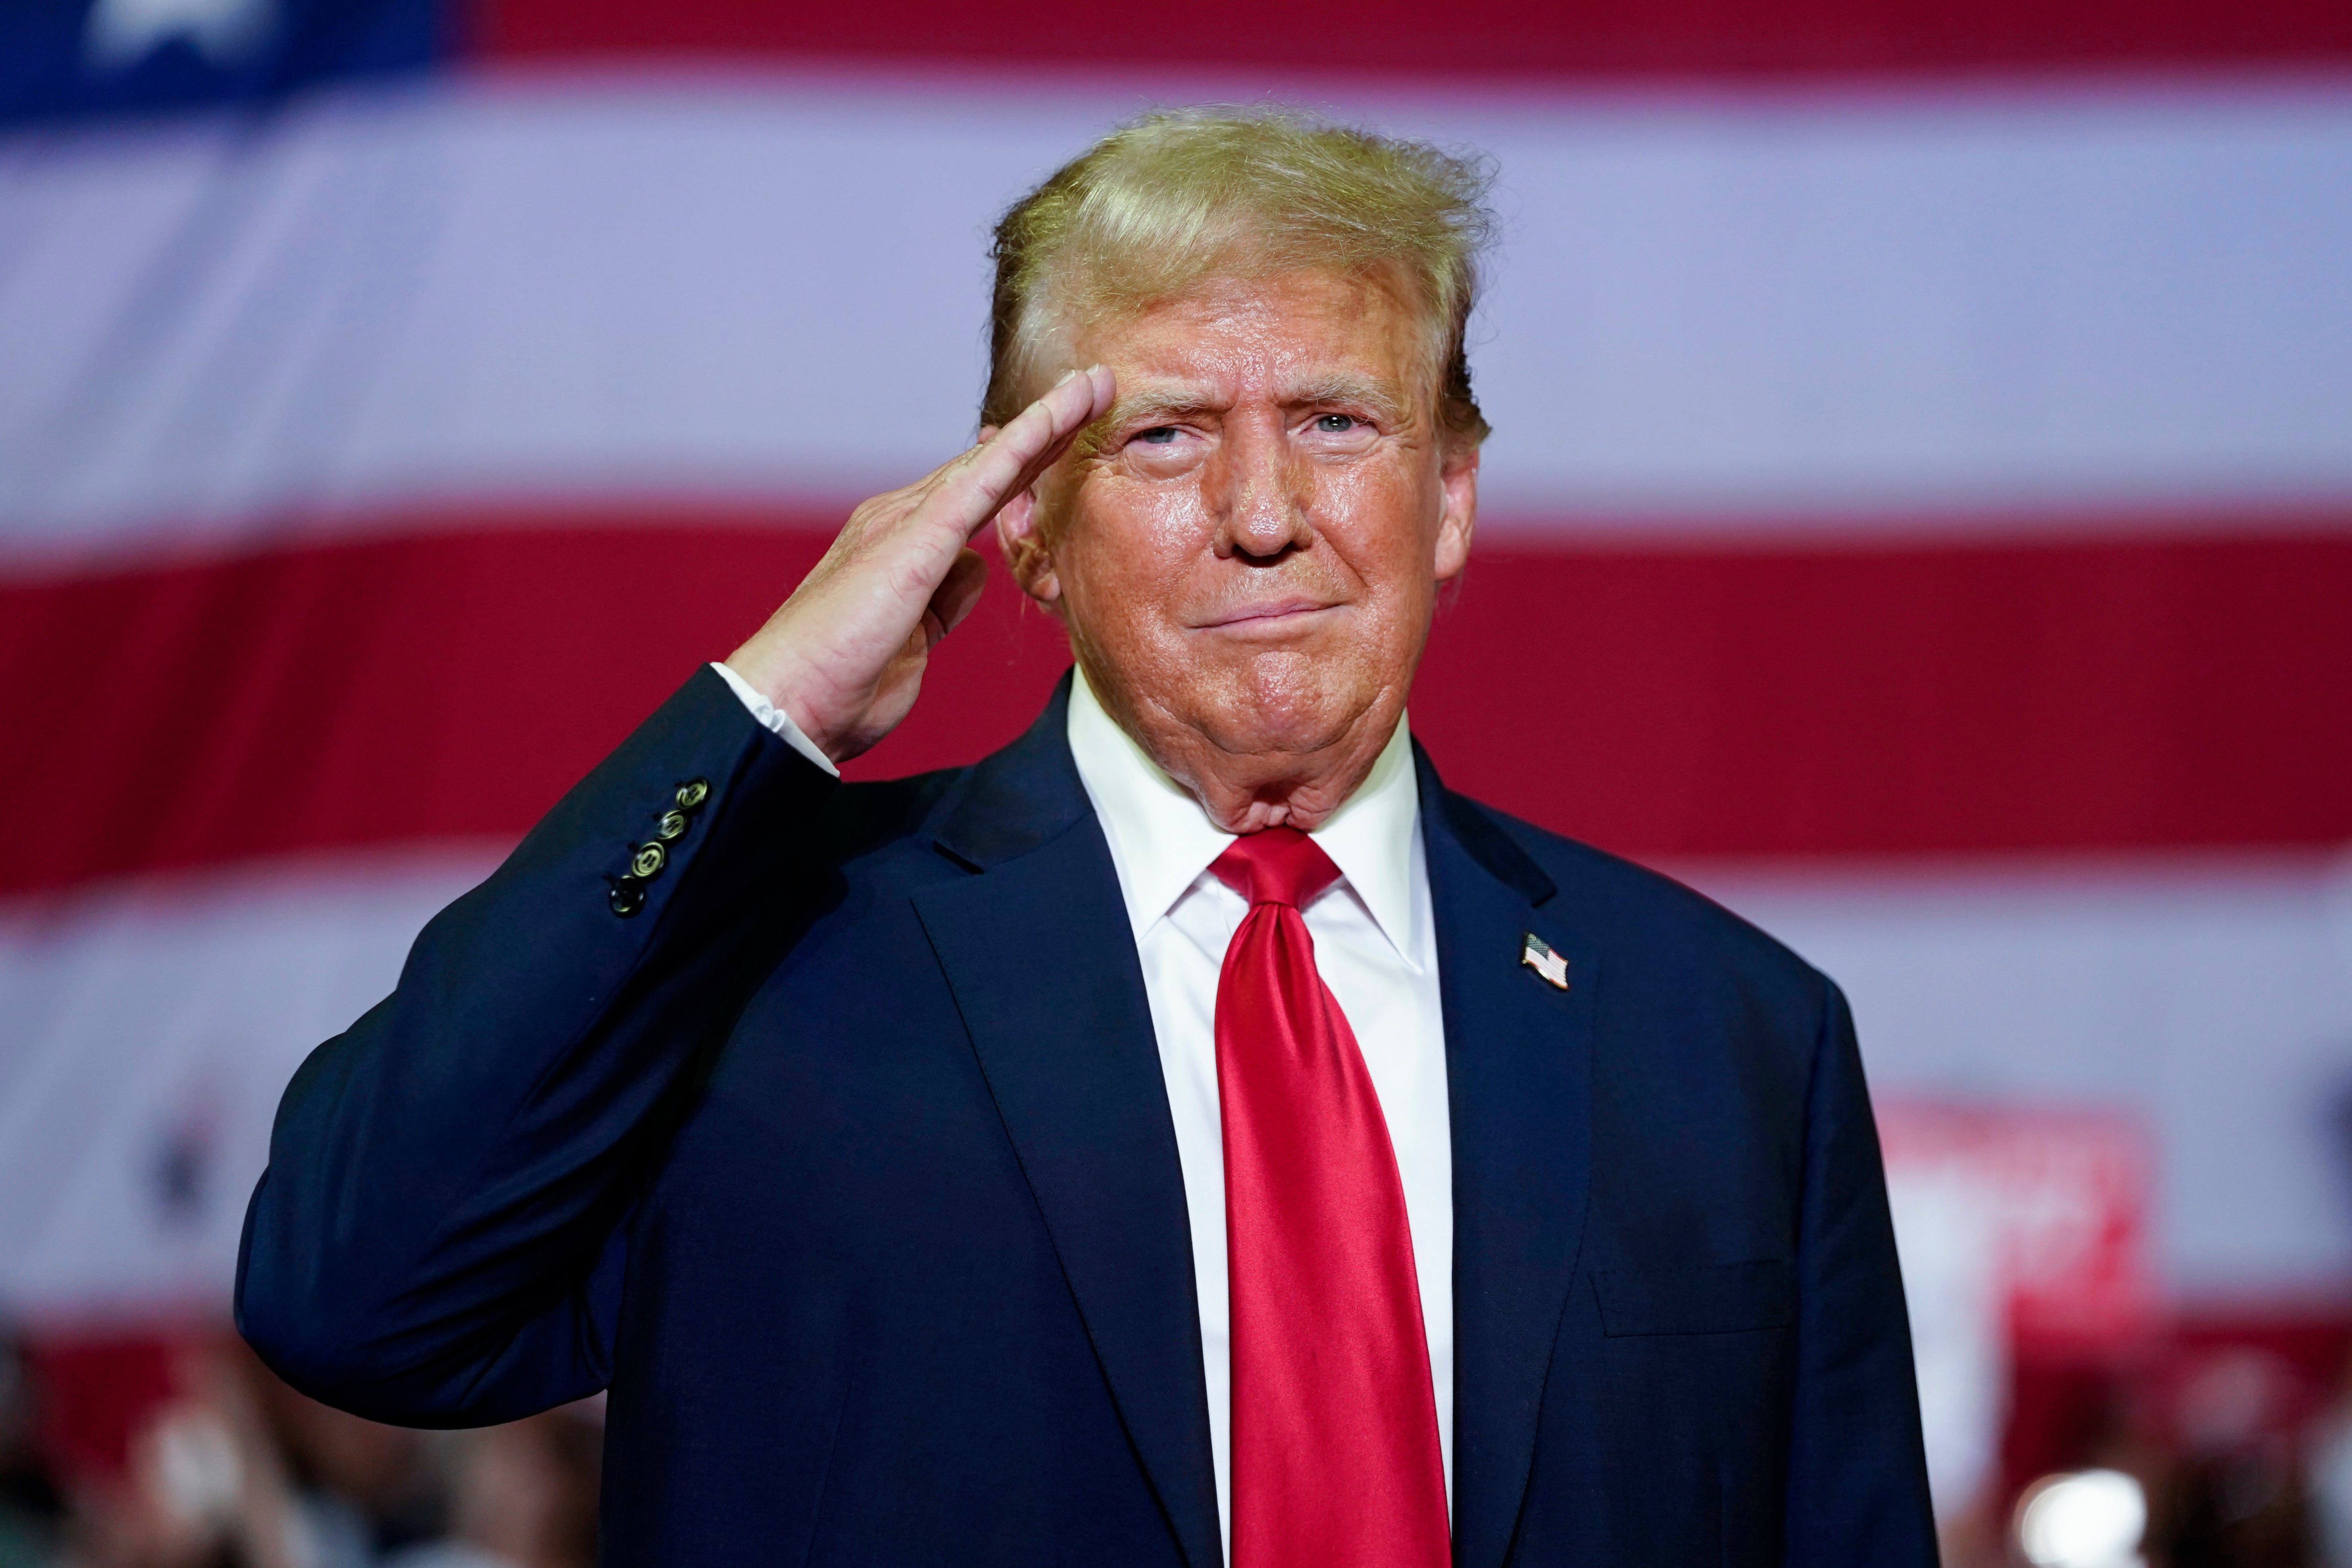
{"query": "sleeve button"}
pixel 648 860
pixel 693 793
pixel 627 897
pixel 671 827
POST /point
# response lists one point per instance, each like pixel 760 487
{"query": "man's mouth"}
pixel 1265 615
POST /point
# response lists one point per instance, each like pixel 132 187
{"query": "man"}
pixel 1191 1134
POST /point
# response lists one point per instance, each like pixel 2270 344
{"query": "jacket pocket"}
pixel 1716 1298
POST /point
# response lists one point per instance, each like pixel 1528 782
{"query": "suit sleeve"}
pixel 438 1239
pixel 1857 1472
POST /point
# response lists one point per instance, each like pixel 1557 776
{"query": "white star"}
pixel 125 32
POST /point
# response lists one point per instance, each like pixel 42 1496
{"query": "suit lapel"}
pixel 1519 1073
pixel 1037 951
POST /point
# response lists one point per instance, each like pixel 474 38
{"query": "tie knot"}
pixel 1279 866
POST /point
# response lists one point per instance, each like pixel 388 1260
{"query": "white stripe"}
pixel 2213 999
pixel 150 1031
pixel 768 287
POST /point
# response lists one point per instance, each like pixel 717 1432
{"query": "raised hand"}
pixel 844 654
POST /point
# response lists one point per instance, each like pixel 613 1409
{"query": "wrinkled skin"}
pixel 1247 548
pixel 1243 511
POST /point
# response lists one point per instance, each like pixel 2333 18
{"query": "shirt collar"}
pixel 1160 839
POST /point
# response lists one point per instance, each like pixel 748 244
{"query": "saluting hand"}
pixel 844 654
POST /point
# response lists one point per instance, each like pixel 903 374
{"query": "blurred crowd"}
pixel 2231 1454
pixel 184 1452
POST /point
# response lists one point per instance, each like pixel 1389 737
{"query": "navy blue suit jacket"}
pixel 846 1164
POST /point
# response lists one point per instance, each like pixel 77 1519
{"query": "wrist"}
pixel 785 681
pixel 777 705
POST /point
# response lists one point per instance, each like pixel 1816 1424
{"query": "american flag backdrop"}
pixel 1920 512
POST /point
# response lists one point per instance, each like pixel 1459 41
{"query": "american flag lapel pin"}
pixel 1548 966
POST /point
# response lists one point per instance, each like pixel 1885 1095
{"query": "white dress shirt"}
pixel 1376 946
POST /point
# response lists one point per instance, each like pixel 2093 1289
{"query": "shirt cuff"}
pixel 775 718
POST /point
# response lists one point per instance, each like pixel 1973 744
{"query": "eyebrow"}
pixel 1162 400
pixel 1094 439
pixel 1156 403
pixel 1342 387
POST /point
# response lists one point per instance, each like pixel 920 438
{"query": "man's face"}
pixel 1249 546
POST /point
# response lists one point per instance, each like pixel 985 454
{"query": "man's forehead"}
pixel 1143 389
pixel 1283 317
pixel 1211 357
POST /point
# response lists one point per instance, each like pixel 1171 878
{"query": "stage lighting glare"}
pixel 2092 1518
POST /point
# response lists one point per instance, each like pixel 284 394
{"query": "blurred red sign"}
pixel 2067 1193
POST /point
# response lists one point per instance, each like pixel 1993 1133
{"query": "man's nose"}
pixel 1263 510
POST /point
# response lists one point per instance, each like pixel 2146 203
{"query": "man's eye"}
pixel 1336 423
pixel 1158 435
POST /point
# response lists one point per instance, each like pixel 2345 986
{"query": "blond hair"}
pixel 1171 199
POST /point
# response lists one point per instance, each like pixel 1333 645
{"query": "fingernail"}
pixel 1065 378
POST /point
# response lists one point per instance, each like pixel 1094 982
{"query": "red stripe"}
pixel 1907 700
pixel 1597 37
pixel 1833 700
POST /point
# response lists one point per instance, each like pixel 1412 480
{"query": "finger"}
pixel 1011 461
pixel 959 471
pixel 1073 405
pixel 908 506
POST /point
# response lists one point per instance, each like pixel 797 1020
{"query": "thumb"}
pixel 955 597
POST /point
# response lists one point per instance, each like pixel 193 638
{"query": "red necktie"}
pixel 1335 1456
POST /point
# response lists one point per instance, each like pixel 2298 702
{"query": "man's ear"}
pixel 1023 546
pixel 1460 478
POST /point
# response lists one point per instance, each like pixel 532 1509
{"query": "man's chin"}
pixel 1283 722
pixel 1298 699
